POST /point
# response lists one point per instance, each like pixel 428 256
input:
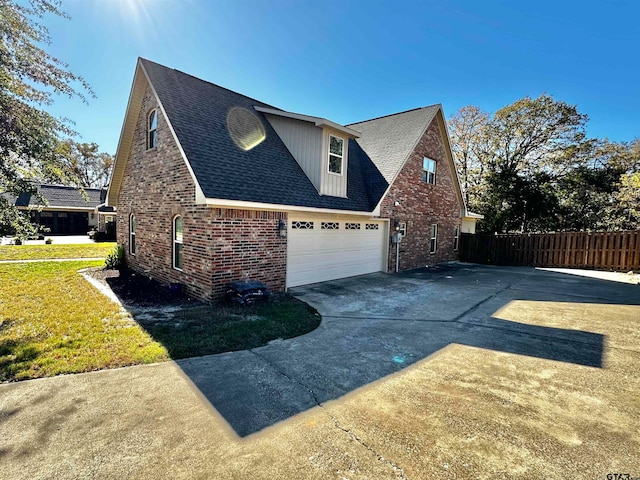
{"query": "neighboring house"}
pixel 212 186
pixel 66 211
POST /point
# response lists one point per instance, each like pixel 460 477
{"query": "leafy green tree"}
pixel 628 202
pixel 518 155
pixel 532 135
pixel 87 163
pixel 30 78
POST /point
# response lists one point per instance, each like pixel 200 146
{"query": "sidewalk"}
pixel 57 240
pixel 53 260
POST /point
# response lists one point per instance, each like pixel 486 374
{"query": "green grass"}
pixel 53 321
pixel 41 252
pixel 209 329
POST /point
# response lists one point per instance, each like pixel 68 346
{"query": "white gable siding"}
pixel 332 184
pixel 304 141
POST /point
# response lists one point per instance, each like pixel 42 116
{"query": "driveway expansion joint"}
pixel 485 300
pixel 399 471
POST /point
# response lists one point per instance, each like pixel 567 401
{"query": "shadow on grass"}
pixel 16 357
pixel 188 328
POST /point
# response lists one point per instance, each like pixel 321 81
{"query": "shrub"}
pixel 48 241
pixel 116 259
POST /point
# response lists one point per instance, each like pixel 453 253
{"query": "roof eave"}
pixel 317 121
pixel 248 205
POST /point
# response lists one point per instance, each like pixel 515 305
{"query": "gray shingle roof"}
pixel 61 197
pixel 267 173
pixel 389 140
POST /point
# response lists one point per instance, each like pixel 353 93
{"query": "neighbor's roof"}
pixel 389 140
pixel 197 110
pixel 58 196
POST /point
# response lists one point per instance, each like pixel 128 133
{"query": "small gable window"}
pixel 429 170
pixel 152 129
pixel 132 234
pixel 177 242
pixel 336 154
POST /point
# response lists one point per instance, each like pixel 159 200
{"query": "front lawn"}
pixel 39 252
pixel 188 328
pixel 53 321
pixel 206 329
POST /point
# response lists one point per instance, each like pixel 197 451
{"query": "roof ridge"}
pixel 393 114
pixel 211 83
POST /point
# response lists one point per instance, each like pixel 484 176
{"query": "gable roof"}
pixel 61 197
pixel 196 112
pixel 391 139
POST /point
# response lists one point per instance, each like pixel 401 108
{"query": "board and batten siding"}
pixel 331 183
pixel 304 141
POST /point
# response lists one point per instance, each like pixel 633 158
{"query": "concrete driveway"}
pixel 452 372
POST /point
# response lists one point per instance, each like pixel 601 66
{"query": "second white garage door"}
pixel 325 248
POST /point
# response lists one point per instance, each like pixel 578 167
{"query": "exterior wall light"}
pixel 282 228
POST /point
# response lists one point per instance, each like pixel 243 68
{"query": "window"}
pixel 456 237
pixel 177 242
pixel 429 170
pixel 329 226
pixel 336 146
pixel 132 234
pixel 302 225
pixel 152 127
pixel 372 226
pixel 352 226
pixel 434 235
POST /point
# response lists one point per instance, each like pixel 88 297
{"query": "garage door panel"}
pixel 317 255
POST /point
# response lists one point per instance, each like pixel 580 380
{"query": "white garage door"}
pixel 326 248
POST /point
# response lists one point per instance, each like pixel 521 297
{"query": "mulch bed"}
pixel 136 289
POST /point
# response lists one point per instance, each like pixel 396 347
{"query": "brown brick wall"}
pixel 220 245
pixel 423 204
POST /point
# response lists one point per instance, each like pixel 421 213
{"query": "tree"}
pixel 90 166
pixel 587 193
pixel 30 138
pixel 628 201
pixel 466 128
pixel 532 135
pixel 518 155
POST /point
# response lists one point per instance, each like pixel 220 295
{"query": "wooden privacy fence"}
pixel 601 251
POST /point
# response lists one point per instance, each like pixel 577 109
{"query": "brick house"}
pixel 212 186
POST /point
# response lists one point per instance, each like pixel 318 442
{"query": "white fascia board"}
pixel 452 162
pixel 199 197
pixel 317 121
pixel 468 214
pixel 239 204
pixel 109 199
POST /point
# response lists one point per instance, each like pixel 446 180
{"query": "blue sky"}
pixel 353 60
